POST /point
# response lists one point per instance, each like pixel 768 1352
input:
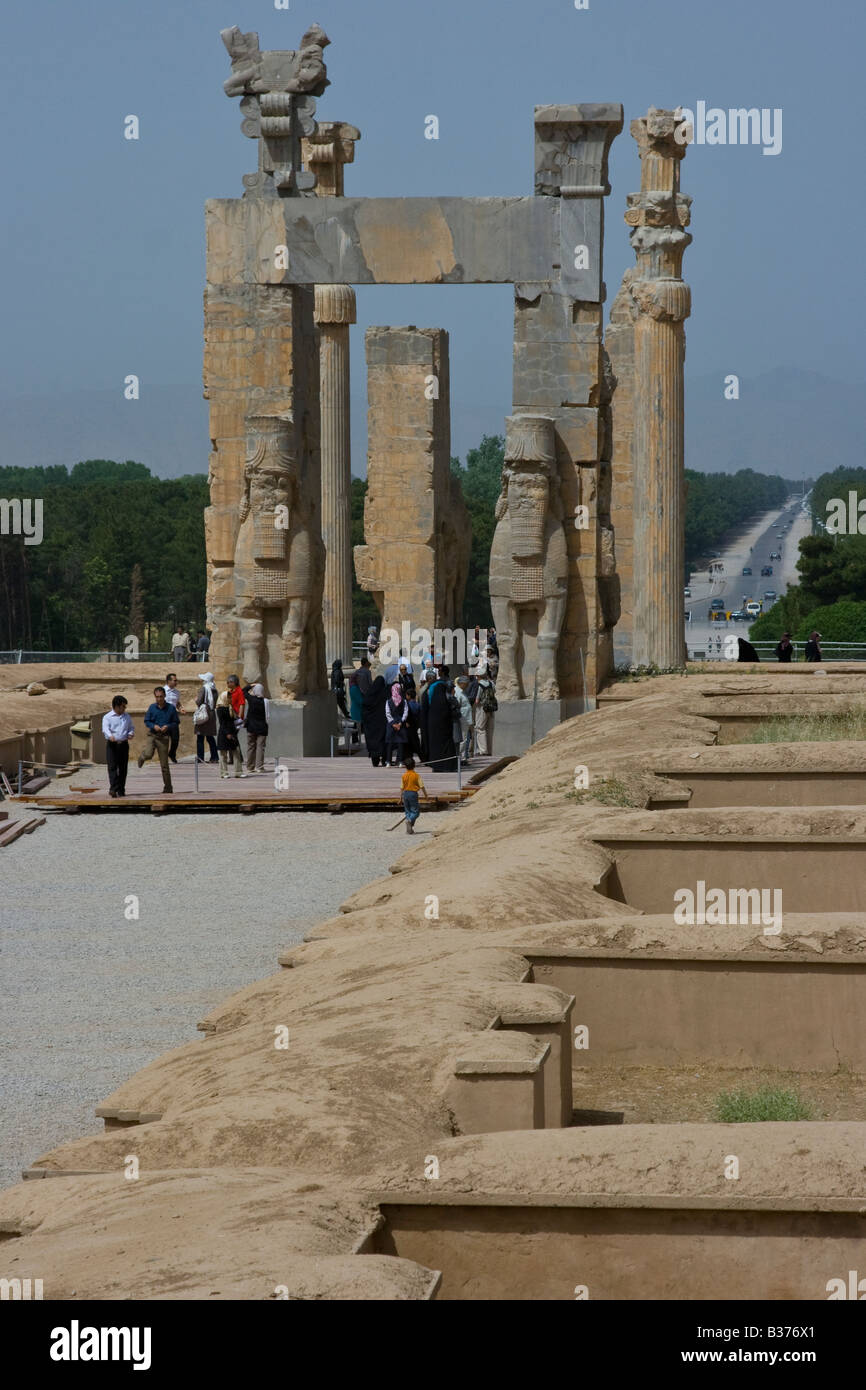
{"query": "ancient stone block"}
pixel 556 373
pixel 417 532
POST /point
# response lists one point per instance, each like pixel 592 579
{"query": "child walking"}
pixel 411 786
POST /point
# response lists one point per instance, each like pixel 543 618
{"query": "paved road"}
pixel 751 551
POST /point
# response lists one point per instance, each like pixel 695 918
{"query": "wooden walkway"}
pixel 299 784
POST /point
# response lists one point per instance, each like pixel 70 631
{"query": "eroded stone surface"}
pixel 415 558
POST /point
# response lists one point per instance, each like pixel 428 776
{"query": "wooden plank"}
pixel 15 829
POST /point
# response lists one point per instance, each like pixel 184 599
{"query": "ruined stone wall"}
pixel 417 532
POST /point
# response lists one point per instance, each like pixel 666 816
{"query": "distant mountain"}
pixel 786 421
pixel 795 423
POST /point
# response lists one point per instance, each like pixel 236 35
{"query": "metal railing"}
pixel 830 651
pixel 20 656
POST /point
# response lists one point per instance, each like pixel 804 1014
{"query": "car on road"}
pixel 770 595
pixel 740 615
pixel 766 570
pixel 747 569
pixel 687 593
pixel 753 607
pixel 775 554
pixel 717 605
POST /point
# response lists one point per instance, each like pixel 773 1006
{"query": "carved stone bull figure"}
pixel 275 559
pixel 528 558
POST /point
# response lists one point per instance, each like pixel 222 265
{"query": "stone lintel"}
pixel 363 241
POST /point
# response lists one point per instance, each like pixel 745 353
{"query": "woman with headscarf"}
pixel 256 726
pixel 356 698
pixel 374 723
pixel 227 741
pixel 338 687
pixel 813 647
pixel 437 725
pixel 205 724
pixel 397 718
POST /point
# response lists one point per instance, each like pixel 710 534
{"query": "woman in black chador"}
pixel 437 723
pixel 338 687
pixel 373 721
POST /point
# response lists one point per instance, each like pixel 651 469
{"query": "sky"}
pixel 103 238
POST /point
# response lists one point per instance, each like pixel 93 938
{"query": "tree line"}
pixel 716 503
pixel 831 595
pixel 123 551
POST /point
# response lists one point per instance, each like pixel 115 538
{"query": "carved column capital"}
pixel 660 136
pixel 334 304
pixel 326 151
pixel 571 148
pixel 659 252
pixel 656 208
pixel 277 88
pixel 667 301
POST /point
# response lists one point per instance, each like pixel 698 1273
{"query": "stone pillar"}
pixel 325 152
pixel 261 378
pixel 619 343
pixel 657 216
pixel 417 533
pixel 561 372
pixel 334 311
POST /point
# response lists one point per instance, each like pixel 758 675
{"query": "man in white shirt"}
pixel 172 697
pixel 461 685
pixel 117 729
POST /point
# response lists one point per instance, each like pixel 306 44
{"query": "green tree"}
pixel 136 603
pixel 364 610
pixel 102 522
pixel 717 502
pixel 481 480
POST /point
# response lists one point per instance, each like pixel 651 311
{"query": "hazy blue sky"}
pixel 103 237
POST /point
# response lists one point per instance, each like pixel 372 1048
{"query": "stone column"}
pixel 325 152
pixel 334 311
pixel 657 216
pixel 417 533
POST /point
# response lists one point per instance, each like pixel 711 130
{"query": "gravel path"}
pixel 87 997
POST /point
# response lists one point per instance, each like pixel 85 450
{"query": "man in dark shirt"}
pixel 160 719
pixel 364 676
pixel 813 647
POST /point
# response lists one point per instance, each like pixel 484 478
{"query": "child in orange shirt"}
pixel 411 786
